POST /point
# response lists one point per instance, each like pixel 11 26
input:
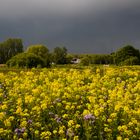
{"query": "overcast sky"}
pixel 82 26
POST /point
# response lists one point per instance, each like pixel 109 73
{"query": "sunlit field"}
pixel 70 104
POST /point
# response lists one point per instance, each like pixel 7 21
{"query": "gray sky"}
pixel 82 26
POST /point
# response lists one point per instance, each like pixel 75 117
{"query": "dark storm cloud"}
pixel 86 26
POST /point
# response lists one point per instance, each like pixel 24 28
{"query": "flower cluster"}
pixel 100 103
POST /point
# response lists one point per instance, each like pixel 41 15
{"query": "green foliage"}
pixel 10 48
pixel 102 59
pixel 85 61
pixel 131 61
pixel 41 51
pixel 27 60
pixel 59 55
pixel 96 59
pixel 69 58
pixel 125 53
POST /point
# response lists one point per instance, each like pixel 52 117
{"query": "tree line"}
pixel 13 54
pixel 126 55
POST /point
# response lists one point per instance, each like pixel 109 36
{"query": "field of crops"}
pixel 70 104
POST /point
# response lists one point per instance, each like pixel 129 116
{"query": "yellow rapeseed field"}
pixel 70 104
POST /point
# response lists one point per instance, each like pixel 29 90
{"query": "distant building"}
pixel 75 61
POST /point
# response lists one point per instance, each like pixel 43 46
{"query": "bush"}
pixel 126 55
pixel 27 60
pixel 131 61
pixel 85 61
pixel 41 51
pixel 102 59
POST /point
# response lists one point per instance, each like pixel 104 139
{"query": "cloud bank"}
pixel 83 26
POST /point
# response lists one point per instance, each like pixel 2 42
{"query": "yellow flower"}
pixel 70 123
pixel 44 106
pixel 117 107
pixel 77 97
pixel 54 132
pixel 124 127
pixel 61 131
pixel 119 128
pixel 106 129
pixel 77 126
pixel 76 138
pixel 97 70
pixel 130 124
pixel 65 116
pixel 119 138
pixel 19 101
pixel 36 132
pixel 4 107
pixel 85 112
pixel 67 107
pixel 7 123
pixel 109 120
pixel 96 112
pixel 2 115
pixel 37 124
pixel 25 135
pixel 11 118
pixel 46 135
pixel 134 121
pixel 23 124
pixel 126 109
pixel 1 130
pixel 19 111
pixel 113 115
pixel 20 139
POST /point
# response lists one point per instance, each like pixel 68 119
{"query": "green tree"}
pixel 102 59
pixel 10 48
pixel 41 51
pixel 131 61
pixel 28 60
pixel 125 53
pixel 69 58
pixel 59 55
pixel 86 60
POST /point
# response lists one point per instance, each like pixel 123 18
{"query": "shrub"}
pixel 85 61
pixel 27 60
pixel 41 51
pixel 131 61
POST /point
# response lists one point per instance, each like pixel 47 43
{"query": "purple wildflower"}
pixel 119 81
pixel 124 87
pixel 57 118
pixel 54 102
pixel 89 117
pixel 30 121
pixel 5 95
pixel 58 100
pixel 19 131
pixel 22 130
pixel 51 113
pixel 70 133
